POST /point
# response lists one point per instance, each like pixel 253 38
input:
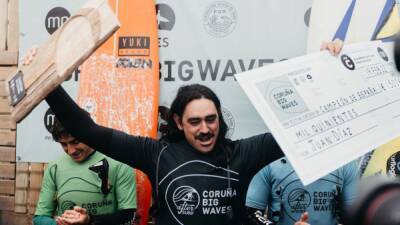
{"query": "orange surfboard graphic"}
pixel 119 83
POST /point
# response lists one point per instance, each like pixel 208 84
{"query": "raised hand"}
pixel 334 47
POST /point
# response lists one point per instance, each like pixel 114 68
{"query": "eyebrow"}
pixel 206 117
pixel 68 142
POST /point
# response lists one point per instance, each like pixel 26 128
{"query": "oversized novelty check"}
pixel 326 111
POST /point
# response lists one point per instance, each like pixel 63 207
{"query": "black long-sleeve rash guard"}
pixel 193 188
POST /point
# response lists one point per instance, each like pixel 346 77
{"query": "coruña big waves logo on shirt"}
pixel 186 200
pixel 205 193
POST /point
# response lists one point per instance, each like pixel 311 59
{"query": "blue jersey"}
pixel 278 188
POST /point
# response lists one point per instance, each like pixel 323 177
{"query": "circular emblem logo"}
pixel 220 19
pixel 382 54
pixel 67 205
pixel 55 18
pixel 348 62
pixel 48 119
pixel 165 17
pixel 186 200
pixel 299 199
pixel 229 120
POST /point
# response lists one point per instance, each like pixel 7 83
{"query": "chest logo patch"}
pixel 186 200
pixel 299 199
pixel 67 205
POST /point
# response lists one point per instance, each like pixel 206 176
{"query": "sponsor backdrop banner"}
pixel 203 42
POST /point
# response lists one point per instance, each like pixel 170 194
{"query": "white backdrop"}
pixel 200 42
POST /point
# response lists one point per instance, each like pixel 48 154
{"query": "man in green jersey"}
pixel 85 187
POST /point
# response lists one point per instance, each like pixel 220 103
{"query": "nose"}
pixel 70 149
pixel 204 127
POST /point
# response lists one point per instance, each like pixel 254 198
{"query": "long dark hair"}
pixel 185 95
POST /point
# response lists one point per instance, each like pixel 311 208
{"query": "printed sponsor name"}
pixel 92 207
pixel 207 70
pixel 134 46
pixel 211 201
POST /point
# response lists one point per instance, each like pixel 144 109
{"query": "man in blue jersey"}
pixel 278 189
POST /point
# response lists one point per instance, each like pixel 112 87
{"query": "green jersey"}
pixel 67 183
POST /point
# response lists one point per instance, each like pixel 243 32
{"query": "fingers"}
pixel 72 221
pixel 334 47
pixel 78 215
pixel 61 221
pixel 84 216
pixel 337 46
pixel 66 221
pixel 324 46
pixel 33 50
pixel 80 210
pixel 30 55
pixel 304 217
pixel 70 214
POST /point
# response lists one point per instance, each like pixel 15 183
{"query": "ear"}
pixel 178 122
